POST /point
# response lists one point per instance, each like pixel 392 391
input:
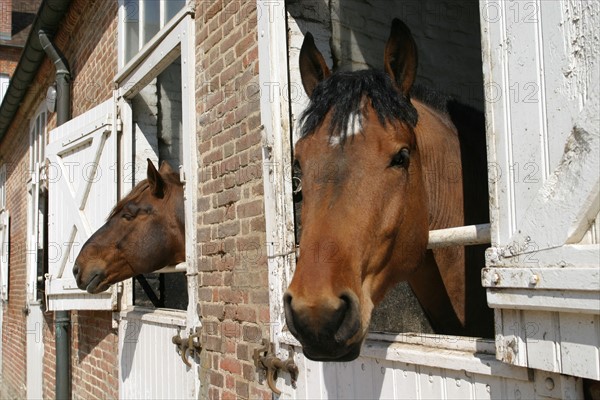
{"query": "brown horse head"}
pixel 364 206
pixel 143 233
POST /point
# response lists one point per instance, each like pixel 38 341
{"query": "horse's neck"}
pixel 439 150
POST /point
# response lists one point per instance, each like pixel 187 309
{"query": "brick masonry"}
pixel 230 225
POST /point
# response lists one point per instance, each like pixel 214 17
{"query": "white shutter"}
pixel 4 254
pixel 4 237
pixel 541 78
pixel 2 187
pixel 82 189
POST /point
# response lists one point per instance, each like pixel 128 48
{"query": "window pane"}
pixel 170 114
pixel 42 137
pixel 4 81
pixel 171 8
pixel 151 19
pixel 157 120
pixel 157 116
pixel 132 26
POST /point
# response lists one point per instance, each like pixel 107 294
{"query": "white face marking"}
pixel 354 128
pixel 334 140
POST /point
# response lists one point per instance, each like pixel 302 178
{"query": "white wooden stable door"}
pixel 544 152
pixel 82 189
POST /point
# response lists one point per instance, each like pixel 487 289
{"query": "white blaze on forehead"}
pixel 354 128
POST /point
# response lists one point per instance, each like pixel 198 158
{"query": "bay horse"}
pixel 382 162
pixel 144 232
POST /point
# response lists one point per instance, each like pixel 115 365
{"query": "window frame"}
pixel 163 27
pixel 38 136
pixel 4 239
pixel 175 39
pixel 279 205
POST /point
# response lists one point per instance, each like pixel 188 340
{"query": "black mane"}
pixel 437 100
pixel 344 92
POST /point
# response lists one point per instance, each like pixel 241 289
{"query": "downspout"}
pixel 62 319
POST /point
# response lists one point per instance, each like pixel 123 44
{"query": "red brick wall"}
pixel 9 59
pixel 5 18
pixel 231 228
pixel 13 153
pixel 87 37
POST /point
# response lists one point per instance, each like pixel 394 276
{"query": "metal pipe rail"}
pixel 461 236
pixel 181 267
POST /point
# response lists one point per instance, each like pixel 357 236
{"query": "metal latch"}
pixel 189 344
pixel 265 358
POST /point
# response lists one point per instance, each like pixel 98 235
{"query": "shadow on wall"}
pixel 352 34
pixel 93 327
pixel 131 333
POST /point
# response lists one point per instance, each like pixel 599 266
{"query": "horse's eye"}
pixel 401 158
pixel 296 170
pixel 130 211
pixel 296 178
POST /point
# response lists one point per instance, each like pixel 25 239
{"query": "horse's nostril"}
pixel 315 323
pixel 350 323
pixel 289 313
pixel 75 270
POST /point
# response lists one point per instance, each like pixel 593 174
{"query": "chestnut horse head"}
pixel 367 202
pixel 143 233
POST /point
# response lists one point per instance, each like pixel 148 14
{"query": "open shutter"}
pixel 4 254
pixel 82 189
pixel 543 278
pixel 4 236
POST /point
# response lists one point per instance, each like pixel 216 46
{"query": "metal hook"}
pixel 186 345
pixel 272 365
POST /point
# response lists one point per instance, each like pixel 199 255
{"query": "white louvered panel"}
pixel 542 332
pixel 406 381
pixel 552 341
pixel 431 383
pixel 470 376
pixel 149 364
pixel 580 344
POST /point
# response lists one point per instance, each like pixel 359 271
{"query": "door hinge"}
pixel 265 359
pixel 191 344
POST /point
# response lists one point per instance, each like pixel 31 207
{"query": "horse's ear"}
pixel 157 183
pixel 313 68
pixel 165 168
pixel 400 57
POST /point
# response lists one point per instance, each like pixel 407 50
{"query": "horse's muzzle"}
pixel 91 282
pixel 326 329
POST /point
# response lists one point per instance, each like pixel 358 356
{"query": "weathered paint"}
pixel 544 153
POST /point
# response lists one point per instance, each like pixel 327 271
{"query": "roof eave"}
pixel 48 18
